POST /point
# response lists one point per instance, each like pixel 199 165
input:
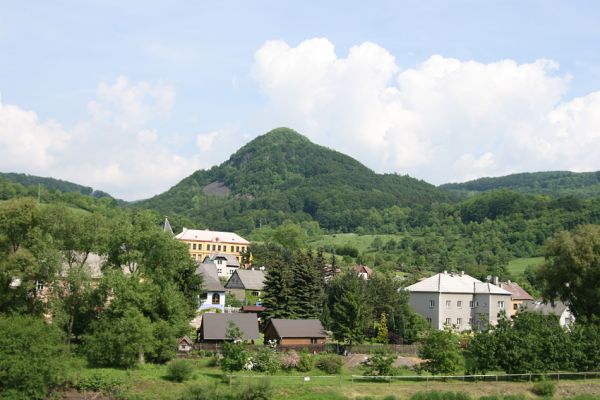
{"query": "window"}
pixel 501 305
pixel 219 261
pixel 313 340
pixel 194 246
pixel 459 321
pixel 219 270
pixel 431 303
pixel 471 303
pixel 476 304
pixel 237 248
pixel 459 304
pixel 515 306
pixel 200 246
pixel 216 298
pixel 219 248
pixel 448 303
pixel 232 249
pixel 214 247
pixel 429 320
pixel 255 293
pixel 448 321
pixel 39 286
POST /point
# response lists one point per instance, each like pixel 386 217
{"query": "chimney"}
pixel 495 280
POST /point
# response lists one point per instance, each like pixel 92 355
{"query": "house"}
pixel 458 300
pixel 560 309
pixel 202 243
pixel 363 271
pixel 185 344
pixel 519 296
pixel 246 285
pixel 213 328
pixel 295 332
pixel 213 293
pixel 226 264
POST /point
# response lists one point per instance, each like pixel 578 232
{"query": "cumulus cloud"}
pixel 205 141
pixel 114 149
pixel 442 120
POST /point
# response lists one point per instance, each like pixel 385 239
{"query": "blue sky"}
pixel 130 98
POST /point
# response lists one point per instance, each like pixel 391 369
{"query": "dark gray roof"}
pixel 214 326
pixel 250 278
pixel 547 308
pixel 210 277
pixel 298 328
pixel 230 259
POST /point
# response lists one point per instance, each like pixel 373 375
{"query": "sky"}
pixel 131 97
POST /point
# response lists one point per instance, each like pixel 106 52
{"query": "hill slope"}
pixel 52 184
pixel 553 183
pixel 282 175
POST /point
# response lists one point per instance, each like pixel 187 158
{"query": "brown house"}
pixel 519 296
pixel 295 332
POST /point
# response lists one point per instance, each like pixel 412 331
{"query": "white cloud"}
pixel 442 120
pixel 115 149
pixel 205 141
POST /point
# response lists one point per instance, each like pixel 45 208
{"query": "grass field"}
pixel 517 266
pixel 149 382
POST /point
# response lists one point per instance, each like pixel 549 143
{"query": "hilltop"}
pixel 552 183
pixel 282 175
pixel 52 184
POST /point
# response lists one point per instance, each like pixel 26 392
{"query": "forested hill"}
pixel 282 175
pixel 553 183
pixel 52 184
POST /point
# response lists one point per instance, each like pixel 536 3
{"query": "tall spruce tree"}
pixel 277 296
pixel 306 300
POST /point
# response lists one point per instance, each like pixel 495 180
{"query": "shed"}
pixel 246 280
pixel 295 332
pixel 185 344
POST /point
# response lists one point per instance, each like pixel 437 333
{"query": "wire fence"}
pixel 339 380
pixel 410 350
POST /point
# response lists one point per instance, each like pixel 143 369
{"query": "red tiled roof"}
pixel 517 292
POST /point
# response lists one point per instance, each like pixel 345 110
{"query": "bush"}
pixel 330 363
pixel 266 360
pixel 234 357
pixel 544 388
pixel 290 360
pixel 179 370
pixel 436 395
pixel 202 392
pixel 380 363
pixel 100 381
pixel 256 391
pixel 32 357
pixel 305 363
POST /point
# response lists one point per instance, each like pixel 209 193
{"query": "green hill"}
pixel 282 175
pixel 52 184
pixel 552 183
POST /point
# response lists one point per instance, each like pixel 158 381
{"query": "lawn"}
pixel 149 382
pixel 517 266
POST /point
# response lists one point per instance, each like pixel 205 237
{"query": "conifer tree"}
pixel 277 294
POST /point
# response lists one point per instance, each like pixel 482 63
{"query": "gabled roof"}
pixel 252 279
pixel 363 269
pixel 186 339
pixel 211 236
pixel 230 259
pixel 445 282
pixel 298 328
pixel 517 292
pixel 214 326
pixel 547 309
pixel 210 276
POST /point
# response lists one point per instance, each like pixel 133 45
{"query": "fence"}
pixel 400 349
pixel 323 380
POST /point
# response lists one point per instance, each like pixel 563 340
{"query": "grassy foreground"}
pixel 150 382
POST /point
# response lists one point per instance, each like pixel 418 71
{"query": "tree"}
pixel 441 352
pixel 290 235
pixel 349 310
pixel 234 355
pixel 118 340
pixel 306 287
pixel 380 363
pixel 32 357
pixel 277 294
pixel 382 329
pixel 572 263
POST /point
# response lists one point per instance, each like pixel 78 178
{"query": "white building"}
pixel 458 300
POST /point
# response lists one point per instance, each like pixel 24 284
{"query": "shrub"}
pixel 544 388
pixel 305 363
pixel 380 363
pixel 32 357
pixel 436 395
pixel 261 390
pixel 330 363
pixel 100 381
pixel 266 360
pixel 290 360
pixel 179 370
pixel 202 392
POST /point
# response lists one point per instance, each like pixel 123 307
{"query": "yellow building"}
pixel 204 242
